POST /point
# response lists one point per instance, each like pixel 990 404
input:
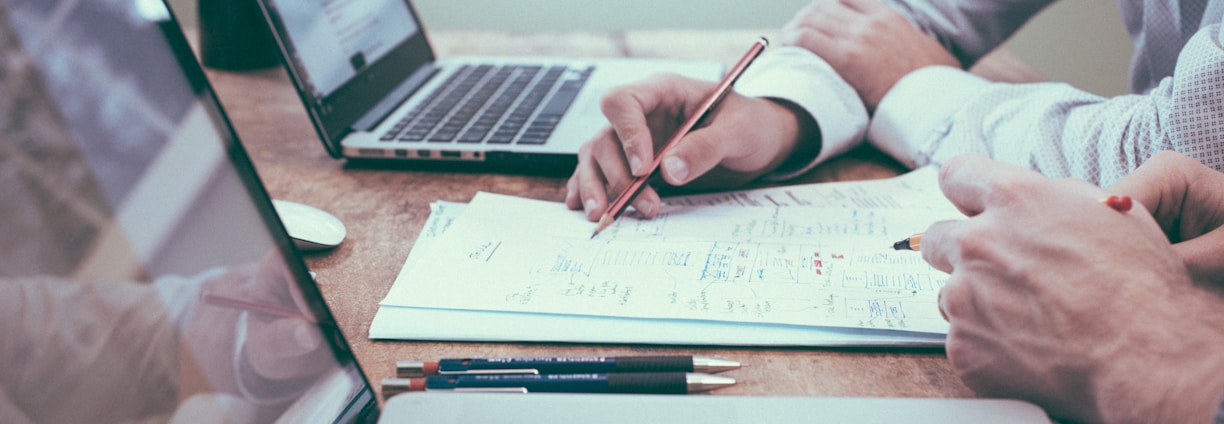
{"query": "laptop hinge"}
pixel 394 98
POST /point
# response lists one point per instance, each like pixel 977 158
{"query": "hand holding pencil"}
pixel 743 138
pixel 703 112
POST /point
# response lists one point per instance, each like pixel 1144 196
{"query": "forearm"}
pixel 969 29
pixel 935 113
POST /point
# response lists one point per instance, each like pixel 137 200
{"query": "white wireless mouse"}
pixel 310 228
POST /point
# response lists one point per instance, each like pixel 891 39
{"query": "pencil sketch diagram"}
pixel 908 192
pixel 781 264
pixel 740 281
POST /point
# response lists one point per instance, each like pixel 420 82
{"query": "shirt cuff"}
pixel 798 76
pixel 916 114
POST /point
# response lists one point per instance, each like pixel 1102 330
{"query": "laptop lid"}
pixel 145 275
pixel 352 63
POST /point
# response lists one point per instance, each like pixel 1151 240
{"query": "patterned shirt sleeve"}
pixel 935 113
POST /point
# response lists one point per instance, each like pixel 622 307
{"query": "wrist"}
pixel 1177 379
pixel 801 134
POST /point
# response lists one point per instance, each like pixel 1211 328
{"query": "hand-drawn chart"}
pixel 822 266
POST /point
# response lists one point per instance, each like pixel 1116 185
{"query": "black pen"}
pixel 641 382
pixel 564 365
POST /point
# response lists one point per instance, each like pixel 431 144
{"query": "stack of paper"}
pixel 794 265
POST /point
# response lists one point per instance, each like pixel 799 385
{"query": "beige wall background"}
pixel 1081 42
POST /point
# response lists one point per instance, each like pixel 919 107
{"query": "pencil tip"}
pixel 604 222
pixel 902 245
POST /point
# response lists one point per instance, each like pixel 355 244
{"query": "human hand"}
pixel 1059 300
pixel 744 138
pixel 282 351
pixel 869 44
pixel 1187 199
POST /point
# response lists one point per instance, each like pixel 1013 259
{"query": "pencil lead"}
pixel 604 222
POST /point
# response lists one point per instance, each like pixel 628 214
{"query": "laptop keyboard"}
pixel 494 104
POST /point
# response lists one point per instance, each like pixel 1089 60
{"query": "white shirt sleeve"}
pixel 937 112
pixel 798 76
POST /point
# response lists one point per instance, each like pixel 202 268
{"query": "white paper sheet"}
pixel 867 216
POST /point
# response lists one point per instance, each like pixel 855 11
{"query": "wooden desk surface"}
pixel 385 210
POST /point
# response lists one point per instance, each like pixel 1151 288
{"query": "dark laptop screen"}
pixel 144 276
pixel 346 55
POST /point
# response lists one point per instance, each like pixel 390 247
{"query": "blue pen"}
pixel 644 383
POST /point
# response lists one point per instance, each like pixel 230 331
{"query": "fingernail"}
pixel 635 164
pixel 590 205
pixel 676 168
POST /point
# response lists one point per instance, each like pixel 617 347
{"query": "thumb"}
pixel 693 156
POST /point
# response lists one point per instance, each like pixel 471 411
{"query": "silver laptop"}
pixel 144 274
pixel 375 89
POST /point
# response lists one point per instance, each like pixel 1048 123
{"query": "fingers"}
pixel 602 171
pixel 629 110
pixel 813 27
pixel 956 299
pixel 698 153
pixel 1159 184
pixel 940 245
pixel 1201 256
pixel 628 120
pixel 973 182
pixel 1184 196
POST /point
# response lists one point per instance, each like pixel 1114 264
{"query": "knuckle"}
pixel 1008 191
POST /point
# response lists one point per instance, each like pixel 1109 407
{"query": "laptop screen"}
pixel 349 36
pixel 345 56
pixel 145 276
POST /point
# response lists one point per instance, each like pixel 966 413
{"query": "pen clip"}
pixel 517 371
pixel 483 390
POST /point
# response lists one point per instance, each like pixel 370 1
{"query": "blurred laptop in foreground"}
pixel 144 275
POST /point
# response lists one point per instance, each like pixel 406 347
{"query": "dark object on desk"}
pixel 564 365
pixel 676 383
pixel 233 36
